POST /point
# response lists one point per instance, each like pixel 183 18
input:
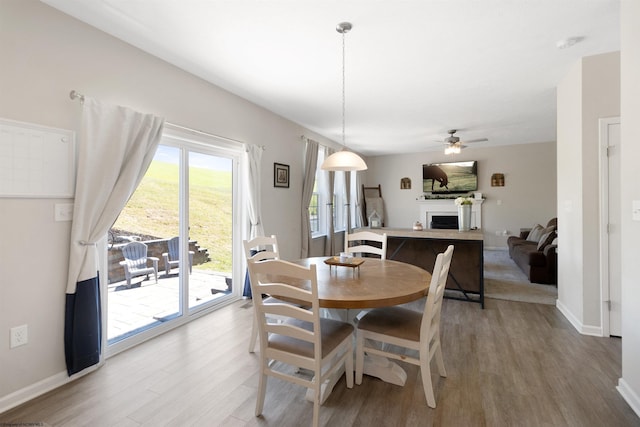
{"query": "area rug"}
pixel 504 280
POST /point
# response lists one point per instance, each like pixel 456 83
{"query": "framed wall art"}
pixel 280 175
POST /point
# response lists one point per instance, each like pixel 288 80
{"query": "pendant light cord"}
pixel 343 93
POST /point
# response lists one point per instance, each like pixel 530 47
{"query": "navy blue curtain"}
pixel 246 292
pixel 82 329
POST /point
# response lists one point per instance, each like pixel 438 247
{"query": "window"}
pixel 317 206
pixel 318 209
pixel 313 210
pixel 339 202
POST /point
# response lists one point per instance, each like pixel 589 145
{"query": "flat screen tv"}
pixel 450 177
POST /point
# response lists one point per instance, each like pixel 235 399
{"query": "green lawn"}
pixel 153 210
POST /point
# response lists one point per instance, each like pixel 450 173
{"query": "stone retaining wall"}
pixel 155 248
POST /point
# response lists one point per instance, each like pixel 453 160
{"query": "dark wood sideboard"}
pixel 466 274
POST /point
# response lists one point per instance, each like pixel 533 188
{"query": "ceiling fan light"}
pixel 452 149
pixel 344 160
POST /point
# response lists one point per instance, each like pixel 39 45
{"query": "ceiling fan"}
pixel 454 145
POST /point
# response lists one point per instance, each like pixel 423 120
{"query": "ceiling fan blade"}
pixel 475 140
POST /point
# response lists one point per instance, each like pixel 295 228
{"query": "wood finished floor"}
pixel 511 364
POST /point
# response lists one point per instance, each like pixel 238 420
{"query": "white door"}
pixel 610 214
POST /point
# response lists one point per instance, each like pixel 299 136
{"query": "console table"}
pixel 466 274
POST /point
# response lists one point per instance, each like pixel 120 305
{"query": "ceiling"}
pixel 414 69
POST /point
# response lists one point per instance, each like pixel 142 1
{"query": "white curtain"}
pixel 116 147
pixel 309 179
pixel 254 168
pixel 329 177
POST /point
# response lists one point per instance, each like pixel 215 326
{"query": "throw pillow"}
pixel 535 233
pixel 548 229
pixel 546 240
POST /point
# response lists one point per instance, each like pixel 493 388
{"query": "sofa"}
pixel 534 252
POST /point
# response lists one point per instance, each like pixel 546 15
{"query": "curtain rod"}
pixel 76 95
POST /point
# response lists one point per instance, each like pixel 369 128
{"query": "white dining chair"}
pixel 304 340
pixel 366 242
pixel 409 329
pixel 259 248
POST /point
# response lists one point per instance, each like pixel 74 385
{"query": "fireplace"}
pixel 447 222
pixel 430 208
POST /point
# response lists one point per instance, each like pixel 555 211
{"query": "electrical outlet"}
pixel 19 336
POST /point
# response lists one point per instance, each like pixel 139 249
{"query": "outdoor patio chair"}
pixel 136 262
pixel 172 257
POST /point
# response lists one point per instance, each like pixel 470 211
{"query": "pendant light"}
pixel 343 160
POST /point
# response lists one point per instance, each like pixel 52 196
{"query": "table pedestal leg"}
pixel 327 387
pixel 385 369
pixel 374 365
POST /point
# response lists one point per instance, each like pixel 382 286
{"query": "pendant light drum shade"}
pixel 343 160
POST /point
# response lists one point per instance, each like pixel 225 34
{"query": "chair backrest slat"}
pixel 291 331
pixel 363 244
pixel 261 248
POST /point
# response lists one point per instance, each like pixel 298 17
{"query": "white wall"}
pixel 629 384
pixel 601 98
pixel 46 54
pixel 528 197
pixel 590 91
pixel 569 130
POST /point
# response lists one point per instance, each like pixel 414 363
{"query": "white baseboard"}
pixel 595 331
pixel 34 390
pixel 629 395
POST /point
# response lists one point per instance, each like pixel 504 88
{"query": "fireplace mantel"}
pixel 430 207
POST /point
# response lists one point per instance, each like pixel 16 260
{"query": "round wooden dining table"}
pixel 345 290
pixel 374 283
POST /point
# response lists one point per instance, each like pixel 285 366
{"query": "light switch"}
pixel 635 210
pixel 64 211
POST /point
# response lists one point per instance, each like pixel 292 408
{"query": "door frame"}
pixel 603 144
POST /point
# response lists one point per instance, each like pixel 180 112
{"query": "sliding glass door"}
pixel 179 226
pixel 210 226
